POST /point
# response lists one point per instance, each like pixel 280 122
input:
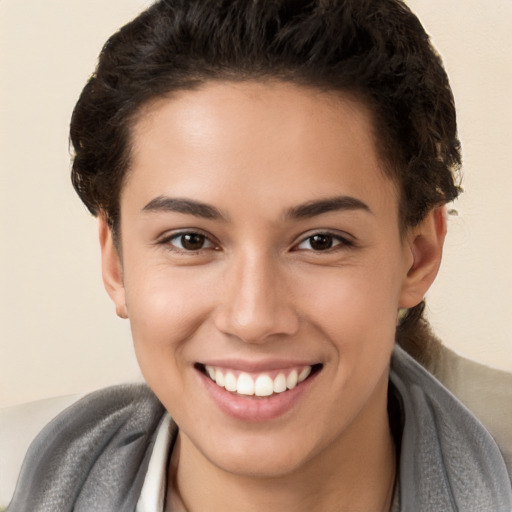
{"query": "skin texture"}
pixel 258 292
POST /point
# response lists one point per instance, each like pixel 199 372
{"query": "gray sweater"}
pixel 94 456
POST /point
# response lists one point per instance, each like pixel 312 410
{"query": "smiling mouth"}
pixel 258 385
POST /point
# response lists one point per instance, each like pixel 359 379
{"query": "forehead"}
pixel 270 141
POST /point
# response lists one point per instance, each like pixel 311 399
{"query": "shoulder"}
pixel 445 447
pixel 99 414
pixel 104 437
pixel 485 391
pixel 19 425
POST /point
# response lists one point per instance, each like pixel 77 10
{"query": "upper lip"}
pixel 251 366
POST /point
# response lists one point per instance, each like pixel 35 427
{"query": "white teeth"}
pixel 245 384
pixel 262 385
pixel 219 378
pixel 291 380
pixel 280 383
pixel 304 374
pixel 211 372
pixel 230 382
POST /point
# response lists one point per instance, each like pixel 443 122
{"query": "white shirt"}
pixel 152 496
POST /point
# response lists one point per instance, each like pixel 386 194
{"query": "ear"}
pixel 111 267
pixel 425 247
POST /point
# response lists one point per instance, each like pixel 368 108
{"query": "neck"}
pixel 356 473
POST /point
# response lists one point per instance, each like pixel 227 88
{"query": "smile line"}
pixel 259 385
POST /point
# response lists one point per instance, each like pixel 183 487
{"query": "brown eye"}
pixel 191 242
pixel 321 242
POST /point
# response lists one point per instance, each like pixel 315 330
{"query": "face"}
pixel 262 270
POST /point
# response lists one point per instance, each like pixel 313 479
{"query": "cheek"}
pixel 354 298
pixel 165 309
pixel 355 309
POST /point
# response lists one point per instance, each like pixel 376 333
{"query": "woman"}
pixel 270 180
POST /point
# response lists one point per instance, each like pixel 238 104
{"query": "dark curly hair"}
pixel 375 50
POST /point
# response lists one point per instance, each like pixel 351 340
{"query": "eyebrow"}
pixel 302 211
pixel 332 204
pixel 187 206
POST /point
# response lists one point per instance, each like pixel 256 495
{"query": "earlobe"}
pixel 111 267
pixel 425 243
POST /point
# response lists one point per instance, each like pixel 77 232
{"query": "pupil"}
pixel 192 242
pixel 321 242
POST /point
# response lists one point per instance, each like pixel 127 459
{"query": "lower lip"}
pixel 255 409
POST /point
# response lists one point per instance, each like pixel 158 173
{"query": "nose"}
pixel 256 304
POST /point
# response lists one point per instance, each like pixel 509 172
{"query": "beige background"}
pixel 58 330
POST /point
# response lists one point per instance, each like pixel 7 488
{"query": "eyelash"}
pixel 338 242
pixel 177 236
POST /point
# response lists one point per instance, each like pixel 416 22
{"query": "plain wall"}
pixel 58 330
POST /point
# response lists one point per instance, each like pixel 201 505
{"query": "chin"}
pixel 260 456
pixel 271 467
